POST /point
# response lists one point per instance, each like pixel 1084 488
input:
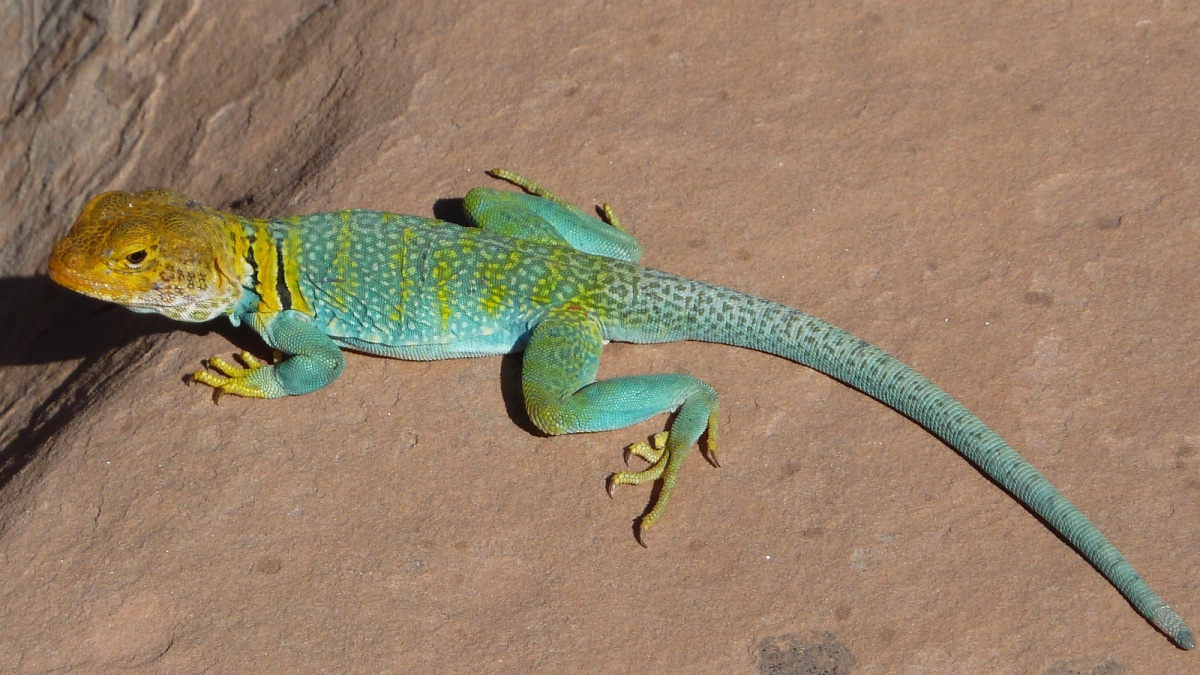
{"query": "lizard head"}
pixel 153 251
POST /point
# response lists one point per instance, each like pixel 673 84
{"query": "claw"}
pixel 639 533
pixel 710 453
pixel 710 441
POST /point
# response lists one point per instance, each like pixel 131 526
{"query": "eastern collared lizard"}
pixel 530 272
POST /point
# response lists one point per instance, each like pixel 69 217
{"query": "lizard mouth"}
pixel 64 275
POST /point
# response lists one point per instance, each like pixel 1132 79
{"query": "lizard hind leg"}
pixel 542 217
pixel 532 188
pixel 562 397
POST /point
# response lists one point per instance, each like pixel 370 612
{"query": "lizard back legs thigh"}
pixel 562 397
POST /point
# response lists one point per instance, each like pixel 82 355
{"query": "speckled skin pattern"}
pixel 533 273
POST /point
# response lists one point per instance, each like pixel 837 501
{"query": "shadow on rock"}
pixel 46 324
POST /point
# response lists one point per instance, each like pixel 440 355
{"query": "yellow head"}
pixel 154 251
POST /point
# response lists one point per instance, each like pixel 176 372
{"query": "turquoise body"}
pixel 539 275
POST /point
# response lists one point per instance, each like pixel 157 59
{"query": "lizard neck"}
pixel 268 250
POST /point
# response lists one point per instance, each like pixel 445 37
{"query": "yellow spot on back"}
pixel 291 271
pixel 406 281
pixel 345 281
pixel 443 272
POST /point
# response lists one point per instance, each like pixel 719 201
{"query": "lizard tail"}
pixel 715 314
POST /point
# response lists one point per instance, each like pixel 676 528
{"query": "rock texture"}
pixel 1003 195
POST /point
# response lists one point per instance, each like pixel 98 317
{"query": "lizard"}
pixel 528 272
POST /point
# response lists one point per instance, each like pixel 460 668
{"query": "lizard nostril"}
pixel 60 262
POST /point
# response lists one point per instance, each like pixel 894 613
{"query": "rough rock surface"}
pixel 1002 194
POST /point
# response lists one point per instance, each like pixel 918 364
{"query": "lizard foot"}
pixel 652 473
pixel 235 379
pixel 654 452
pixel 665 462
pixel 537 190
pixel 526 184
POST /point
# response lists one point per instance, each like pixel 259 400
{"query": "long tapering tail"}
pixel 715 314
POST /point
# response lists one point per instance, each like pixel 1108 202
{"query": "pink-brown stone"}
pixel 1003 195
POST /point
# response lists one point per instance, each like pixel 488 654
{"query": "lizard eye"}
pixel 136 258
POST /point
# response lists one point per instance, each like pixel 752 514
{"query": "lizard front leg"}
pixel 315 360
pixel 558 378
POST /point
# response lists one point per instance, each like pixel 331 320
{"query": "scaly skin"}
pixel 533 274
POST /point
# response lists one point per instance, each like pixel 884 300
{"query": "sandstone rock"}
pixel 1003 196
